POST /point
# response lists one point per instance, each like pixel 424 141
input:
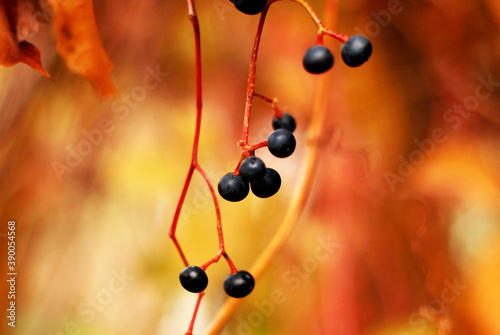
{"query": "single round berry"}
pixel 194 279
pixel 250 7
pixel 286 121
pixel 239 284
pixel 252 169
pixel 356 50
pixel 233 188
pixel 317 59
pixel 281 143
pixel 267 186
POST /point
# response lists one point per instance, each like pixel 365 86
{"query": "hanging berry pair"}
pixel 355 51
pixel 237 285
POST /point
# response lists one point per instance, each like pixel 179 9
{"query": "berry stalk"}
pixel 177 214
pixel 194 166
pixel 254 147
pixel 273 102
pixel 251 77
pixel 253 62
pixel 193 319
pixel 321 27
pixel 194 156
pixel 317 128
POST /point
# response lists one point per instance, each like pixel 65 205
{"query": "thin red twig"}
pixel 273 102
pixel 194 157
pixel 251 78
pixel 321 28
pixel 177 214
pixel 266 99
pixel 193 318
pixel 258 146
pixel 195 166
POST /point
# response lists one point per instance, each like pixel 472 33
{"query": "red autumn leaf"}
pixel 13 51
pixel 78 42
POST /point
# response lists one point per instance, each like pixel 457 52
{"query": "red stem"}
pixel 195 166
pixel 273 102
pixel 321 28
pixel 337 36
pixel 253 63
pixel 237 169
pixel 175 221
pixel 258 146
pixel 222 248
pixel 196 27
pixel 193 318
pixel 266 99
pixel 194 157
pixel 251 78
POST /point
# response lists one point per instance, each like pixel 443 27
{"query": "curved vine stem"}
pixel 195 166
pixel 316 131
pixel 251 78
pixel 194 156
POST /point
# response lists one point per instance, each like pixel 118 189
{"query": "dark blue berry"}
pixel 267 186
pixel 356 50
pixel 239 284
pixel 233 188
pixel 252 169
pixel 194 279
pixel 317 59
pixel 250 7
pixel 286 121
pixel 281 143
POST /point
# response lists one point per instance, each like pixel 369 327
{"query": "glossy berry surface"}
pixel 317 59
pixel 356 50
pixel 286 121
pixel 239 285
pixel 250 7
pixel 267 186
pixel 233 188
pixel 281 143
pixel 194 279
pixel 252 169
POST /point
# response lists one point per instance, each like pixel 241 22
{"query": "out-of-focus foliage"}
pixel 78 41
pixel 401 232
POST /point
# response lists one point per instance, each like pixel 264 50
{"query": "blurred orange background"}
pixel 401 231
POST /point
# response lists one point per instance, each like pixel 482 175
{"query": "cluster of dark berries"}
pixel 250 7
pixel 253 173
pixel 237 285
pixel 355 51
